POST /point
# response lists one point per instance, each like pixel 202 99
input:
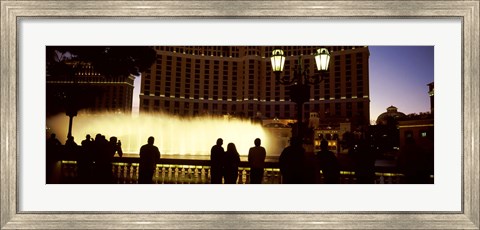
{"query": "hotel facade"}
pixel 239 81
pixel 94 91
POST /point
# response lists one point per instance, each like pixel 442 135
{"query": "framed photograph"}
pixel 450 27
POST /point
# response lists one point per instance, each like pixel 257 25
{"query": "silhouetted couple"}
pixel 224 163
pixel 149 158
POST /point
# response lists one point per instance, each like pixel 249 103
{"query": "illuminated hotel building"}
pixel 238 80
pixel 96 92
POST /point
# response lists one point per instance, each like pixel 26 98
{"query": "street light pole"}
pixel 299 85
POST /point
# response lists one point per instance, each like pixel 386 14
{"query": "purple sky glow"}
pixel 399 76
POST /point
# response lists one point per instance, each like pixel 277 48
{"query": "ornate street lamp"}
pixel 299 84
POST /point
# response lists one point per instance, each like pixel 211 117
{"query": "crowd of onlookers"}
pixel 295 166
pixel 95 156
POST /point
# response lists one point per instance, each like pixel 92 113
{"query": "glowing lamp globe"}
pixel 278 60
pixel 322 58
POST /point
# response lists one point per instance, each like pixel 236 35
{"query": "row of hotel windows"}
pixel 231 91
pixel 226 97
pixel 239 51
pixel 230 77
pixel 216 65
pixel 344 109
pixel 115 97
pixel 234 95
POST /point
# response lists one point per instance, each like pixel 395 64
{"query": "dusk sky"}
pixel 398 76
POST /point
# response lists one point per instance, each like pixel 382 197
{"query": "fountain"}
pixel 173 135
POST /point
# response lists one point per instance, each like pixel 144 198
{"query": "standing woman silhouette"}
pixel 232 160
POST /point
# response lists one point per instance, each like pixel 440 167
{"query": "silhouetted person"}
pixel 149 158
pixel 88 139
pixel 217 154
pixel 53 141
pixel 232 160
pixel 71 150
pixel 71 147
pixel 364 160
pixel 53 146
pixel 256 160
pixel 70 142
pixel 328 163
pixel 85 160
pixel 103 163
pixel 292 161
pixel 115 147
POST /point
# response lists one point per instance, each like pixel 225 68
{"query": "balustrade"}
pixel 180 171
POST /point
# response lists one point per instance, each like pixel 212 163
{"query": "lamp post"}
pixel 70 112
pixel 299 84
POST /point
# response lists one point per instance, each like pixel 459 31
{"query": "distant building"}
pixel 422 131
pixel 420 127
pixel 280 136
pixel 275 122
pixel 333 135
pixel 238 80
pixel 314 120
pixel 95 92
pixel 431 94
pixel 394 128
pixel 392 115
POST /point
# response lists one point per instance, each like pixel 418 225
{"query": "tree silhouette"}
pixel 109 61
pixel 64 62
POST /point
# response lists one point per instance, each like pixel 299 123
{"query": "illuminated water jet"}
pixel 173 135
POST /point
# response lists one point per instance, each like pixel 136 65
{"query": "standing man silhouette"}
pixel 217 155
pixel 256 160
pixel 292 161
pixel 149 158
pixel 328 163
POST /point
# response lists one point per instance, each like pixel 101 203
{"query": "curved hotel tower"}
pixel 238 80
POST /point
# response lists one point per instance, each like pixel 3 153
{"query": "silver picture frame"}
pixel 467 11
